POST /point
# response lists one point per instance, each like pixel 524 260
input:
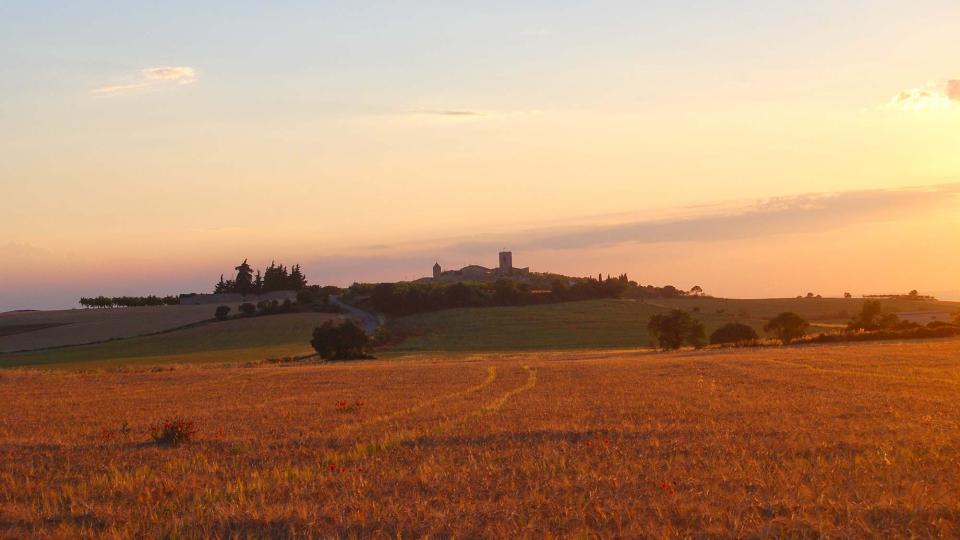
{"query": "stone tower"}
pixel 506 263
pixel 436 270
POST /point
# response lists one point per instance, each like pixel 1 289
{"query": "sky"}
pixel 755 148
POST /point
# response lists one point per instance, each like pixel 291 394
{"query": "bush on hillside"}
pixel 733 333
pixel 671 331
pixel 341 341
pixel 918 332
pixel 247 309
pixel 222 313
pixel 787 326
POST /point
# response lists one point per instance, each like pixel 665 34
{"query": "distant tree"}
pixel 505 292
pixel 733 333
pixel 309 296
pixel 558 289
pixel 247 309
pixel 809 295
pixel 672 330
pixel 890 321
pixel 847 295
pixel 220 287
pixel 340 341
pixel 222 313
pixel 296 280
pixel 258 282
pixel 787 326
pixel 869 316
pixel 696 290
pixel 243 283
pixel 275 278
pixel 459 295
pixel 913 294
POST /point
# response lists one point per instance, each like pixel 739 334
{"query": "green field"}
pixel 609 323
pixel 594 324
pixel 237 340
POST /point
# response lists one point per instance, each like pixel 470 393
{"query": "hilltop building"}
pixel 475 272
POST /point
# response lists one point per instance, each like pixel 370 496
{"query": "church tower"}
pixel 506 263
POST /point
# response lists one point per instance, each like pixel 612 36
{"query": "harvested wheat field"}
pixel 846 441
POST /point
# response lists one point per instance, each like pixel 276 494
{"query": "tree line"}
pixel 406 298
pixel 275 278
pixel 128 301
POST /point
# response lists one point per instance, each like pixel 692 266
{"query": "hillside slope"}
pixel 611 324
pixel 30 330
pixel 238 340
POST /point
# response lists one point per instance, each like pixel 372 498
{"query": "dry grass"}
pixel 850 441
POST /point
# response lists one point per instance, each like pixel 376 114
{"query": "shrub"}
pixel 787 326
pixel 869 316
pixel 222 313
pixel 247 309
pixel 173 432
pixel 307 297
pixel 343 341
pixel 673 330
pixel 733 333
pixel 917 332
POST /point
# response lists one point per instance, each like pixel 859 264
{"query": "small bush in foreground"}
pixel 343 341
pixel 173 432
pixel 733 333
pixel 247 309
pixel 673 330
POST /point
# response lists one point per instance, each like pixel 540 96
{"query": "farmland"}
pixel 609 323
pixel 42 329
pixel 847 441
pixel 237 340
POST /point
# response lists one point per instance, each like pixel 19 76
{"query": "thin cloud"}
pixel 801 214
pixel 953 90
pixel 180 74
pixel 448 112
pixel 119 89
pixel 931 97
pixel 149 79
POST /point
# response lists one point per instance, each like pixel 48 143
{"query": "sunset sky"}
pixel 756 148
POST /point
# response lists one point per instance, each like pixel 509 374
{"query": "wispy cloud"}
pixel 149 78
pixel 712 225
pixel 447 112
pixel 953 90
pixel 934 96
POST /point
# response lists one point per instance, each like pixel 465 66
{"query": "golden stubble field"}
pixel 847 441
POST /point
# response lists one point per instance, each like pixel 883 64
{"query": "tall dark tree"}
pixel 258 282
pixel 275 277
pixel 244 281
pixel 296 281
pixel 220 287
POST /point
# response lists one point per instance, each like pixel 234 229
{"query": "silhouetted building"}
pixel 475 272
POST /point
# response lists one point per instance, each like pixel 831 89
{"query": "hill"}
pixel 613 324
pixel 852 441
pixel 30 330
pixel 236 340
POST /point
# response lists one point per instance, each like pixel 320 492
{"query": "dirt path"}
pixel 367 320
